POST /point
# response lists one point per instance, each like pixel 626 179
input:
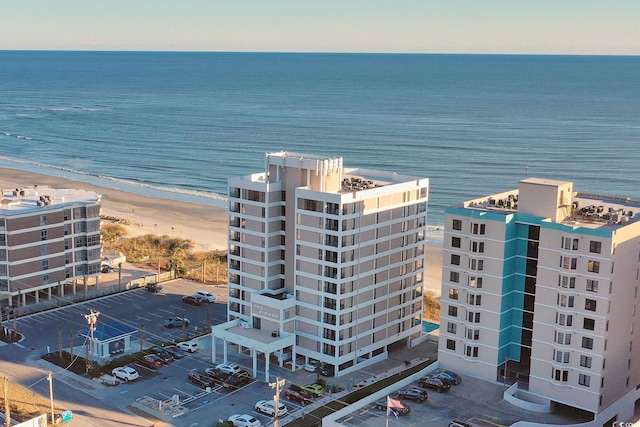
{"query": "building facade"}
pixel 541 284
pixel 49 239
pixel 325 262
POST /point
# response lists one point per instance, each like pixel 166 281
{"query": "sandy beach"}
pixel 205 225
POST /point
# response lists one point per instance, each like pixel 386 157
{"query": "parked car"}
pixel 216 374
pixel 151 361
pixel 311 366
pixel 414 393
pixel 315 389
pixel 163 354
pixel 395 405
pixel 106 268
pixel 237 380
pixel 228 368
pixel 189 346
pixel 448 377
pixel 205 296
pixel 126 373
pixel 191 300
pixel 201 379
pixel 175 352
pixel 154 288
pixel 268 407
pixel 244 420
pixel 297 394
pixel 176 322
pixel 328 370
pixel 433 383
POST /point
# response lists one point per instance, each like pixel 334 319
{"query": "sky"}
pixel 599 27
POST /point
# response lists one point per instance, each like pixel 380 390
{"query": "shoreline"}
pixel 205 225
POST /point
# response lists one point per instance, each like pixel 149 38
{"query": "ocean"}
pixel 177 125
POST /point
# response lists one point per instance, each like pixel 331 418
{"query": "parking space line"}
pixel 183 392
pixel 155 314
pixel 142 318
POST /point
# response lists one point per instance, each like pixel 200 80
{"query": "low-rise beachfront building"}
pixel 540 291
pixel 49 238
pixel 325 262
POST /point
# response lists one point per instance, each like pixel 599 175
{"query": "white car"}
pixel 205 296
pixel 126 373
pixel 244 420
pixel 311 366
pixel 268 407
pixel 228 368
pixel 189 346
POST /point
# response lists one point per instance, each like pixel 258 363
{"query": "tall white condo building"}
pixel 325 262
pixel 540 290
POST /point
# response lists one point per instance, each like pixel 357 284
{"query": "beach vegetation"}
pixel 431 307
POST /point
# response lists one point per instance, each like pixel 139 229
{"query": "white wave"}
pixel 23 137
pixel 7 133
pixel 111 182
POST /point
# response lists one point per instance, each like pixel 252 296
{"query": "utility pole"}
pixel 92 320
pixel 53 416
pixel 276 399
pixel 7 410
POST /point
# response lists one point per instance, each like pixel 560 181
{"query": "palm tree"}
pixel 176 261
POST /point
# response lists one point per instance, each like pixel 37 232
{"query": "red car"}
pixel 151 361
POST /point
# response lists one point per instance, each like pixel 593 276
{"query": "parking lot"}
pixel 472 401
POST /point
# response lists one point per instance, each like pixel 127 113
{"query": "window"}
pixel 45 249
pixel 457 224
pixel 568 262
pixel 477 247
pixel 589 324
pixel 560 375
pixel 570 244
pixel 43 234
pixel 593 266
pixel 453 311
pixel 562 356
pixel 592 285
pixel 584 380
pixel 471 351
pixel 455 259
pixel 475 282
pixel 453 293
pixel 565 301
pixel 477 264
pixel 474 299
pixel 595 247
pixel 455 242
pixel 590 304
pixel 477 228
pixel 454 277
pixel 562 338
pixel 567 282
pixel 451 345
pixel 473 334
pixel 45 264
pixel 587 343
pixel 43 220
pixel 585 361
pixel 473 317
pixel 451 327
pixel 564 320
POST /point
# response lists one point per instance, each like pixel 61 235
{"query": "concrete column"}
pixel 61 292
pixel 224 351
pixel 267 357
pixel 23 297
pixel 36 296
pixel 254 357
pixel 75 289
pixel 97 282
pixel 213 348
pixel 49 293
